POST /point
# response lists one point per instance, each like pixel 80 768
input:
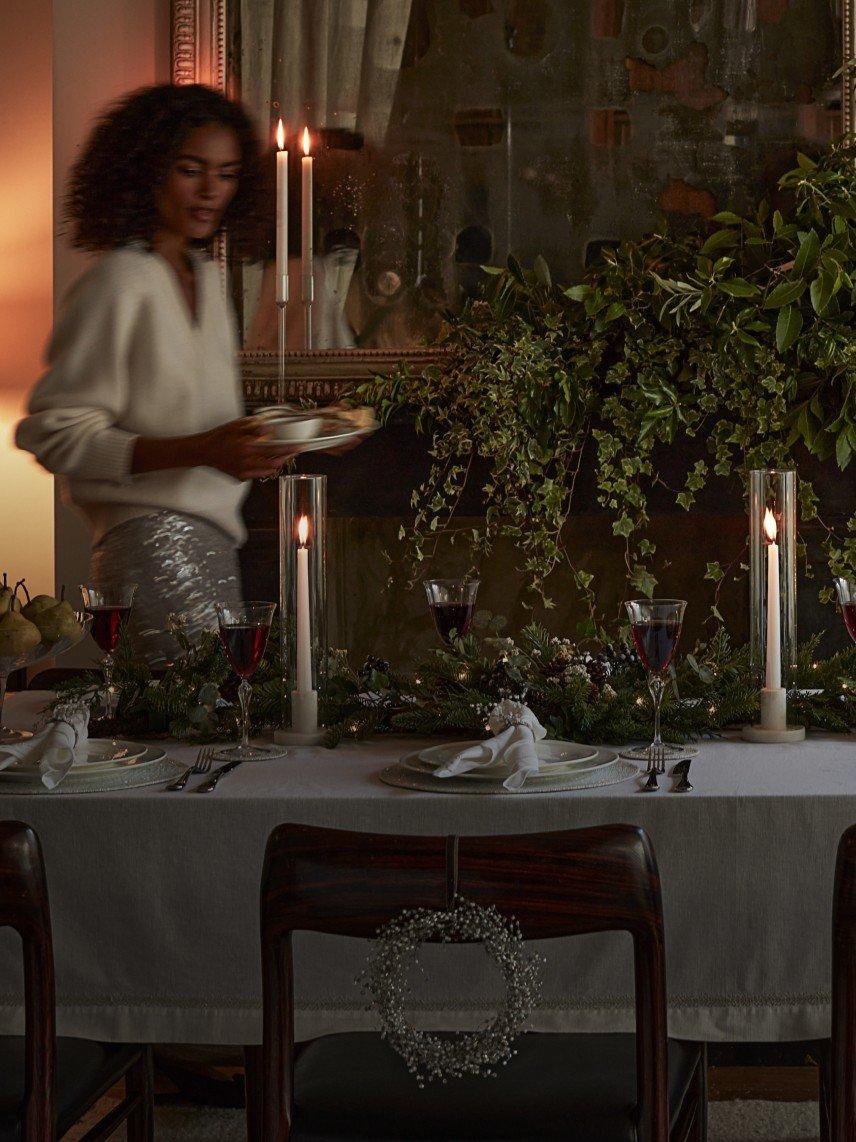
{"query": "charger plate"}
pixel 406 774
pixel 152 768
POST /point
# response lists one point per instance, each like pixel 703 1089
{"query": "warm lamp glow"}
pixel 306 140
pixel 280 136
pixel 770 529
pixel 303 530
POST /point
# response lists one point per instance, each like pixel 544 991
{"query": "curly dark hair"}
pixel 112 186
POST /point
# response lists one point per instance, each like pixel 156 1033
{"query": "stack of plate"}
pixel 564 765
pixel 100 764
pixel 315 429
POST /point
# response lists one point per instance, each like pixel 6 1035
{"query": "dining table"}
pixel 154 896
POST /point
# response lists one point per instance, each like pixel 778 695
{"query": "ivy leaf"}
pixel 727 216
pixel 788 327
pixel 578 292
pixel 542 271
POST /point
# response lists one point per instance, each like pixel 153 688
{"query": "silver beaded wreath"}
pixel 431 1055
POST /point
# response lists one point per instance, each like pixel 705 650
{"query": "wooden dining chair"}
pixel 842 1101
pixel 604 1087
pixel 48 1084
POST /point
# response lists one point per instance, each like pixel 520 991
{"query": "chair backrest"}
pixel 554 884
pixel 844 991
pixel 24 907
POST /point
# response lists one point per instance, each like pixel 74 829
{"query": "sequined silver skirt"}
pixel 182 565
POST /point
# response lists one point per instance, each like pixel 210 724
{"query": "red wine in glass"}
pixel 244 644
pixel 849 612
pixel 450 617
pixel 656 641
pixel 107 623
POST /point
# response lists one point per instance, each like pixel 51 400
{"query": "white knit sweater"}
pixel 126 360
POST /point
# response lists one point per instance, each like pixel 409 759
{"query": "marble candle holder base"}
pixel 774 726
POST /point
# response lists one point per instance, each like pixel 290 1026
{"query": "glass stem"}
pixel 657 686
pixel 109 694
pixel 3 681
pixel 245 691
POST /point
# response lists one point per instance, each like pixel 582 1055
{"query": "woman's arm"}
pixel 231 448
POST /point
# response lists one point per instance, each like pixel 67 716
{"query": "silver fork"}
pixel 201 765
pixel 656 765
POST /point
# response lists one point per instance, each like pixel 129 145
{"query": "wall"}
pixel 26 287
pixel 102 48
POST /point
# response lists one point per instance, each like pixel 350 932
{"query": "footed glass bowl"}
pixel 45 650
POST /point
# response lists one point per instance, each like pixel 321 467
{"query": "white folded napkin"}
pixel 52 750
pixel 516 730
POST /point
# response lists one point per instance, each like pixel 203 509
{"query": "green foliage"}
pixel 741 336
pixel 454 689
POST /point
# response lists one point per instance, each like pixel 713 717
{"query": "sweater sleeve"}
pixel 74 409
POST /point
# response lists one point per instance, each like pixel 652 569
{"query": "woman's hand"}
pixel 232 448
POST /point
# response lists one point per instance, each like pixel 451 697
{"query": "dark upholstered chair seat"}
pixel 84 1070
pixel 580 1088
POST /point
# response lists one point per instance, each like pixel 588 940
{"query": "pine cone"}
pixel 621 655
pixel 374 665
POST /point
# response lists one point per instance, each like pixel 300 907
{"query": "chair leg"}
pixel 140 1080
pixel 698 1130
pixel 824 1067
pixel 253 1090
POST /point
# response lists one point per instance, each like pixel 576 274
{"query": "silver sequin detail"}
pixel 182 565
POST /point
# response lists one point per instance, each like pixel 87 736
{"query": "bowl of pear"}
pixel 29 634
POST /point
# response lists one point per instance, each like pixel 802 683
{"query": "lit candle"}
pixel 306 227
pixel 774 631
pixel 281 216
pixel 304 700
pixel 304 639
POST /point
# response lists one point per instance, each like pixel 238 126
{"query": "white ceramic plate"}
pixel 331 439
pixel 556 756
pixel 101 758
pixel 601 761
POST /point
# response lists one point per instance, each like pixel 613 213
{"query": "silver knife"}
pixel 211 783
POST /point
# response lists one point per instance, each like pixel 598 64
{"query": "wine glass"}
pixel 244 631
pixel 452 603
pixel 656 628
pixel 110 608
pixel 845 588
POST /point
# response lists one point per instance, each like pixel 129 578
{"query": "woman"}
pixel 140 413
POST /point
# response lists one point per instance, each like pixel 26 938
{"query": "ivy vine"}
pixel 741 336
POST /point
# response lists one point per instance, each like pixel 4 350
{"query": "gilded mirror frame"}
pixel 201 31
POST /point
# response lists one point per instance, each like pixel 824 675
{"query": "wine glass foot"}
pixel 668 752
pixel 249 753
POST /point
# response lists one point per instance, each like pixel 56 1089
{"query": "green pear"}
pixel 36 605
pixel 9 600
pixel 56 622
pixel 17 635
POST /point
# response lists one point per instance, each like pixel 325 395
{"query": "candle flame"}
pixel 306 140
pixel 770 529
pixel 280 136
pixel 303 530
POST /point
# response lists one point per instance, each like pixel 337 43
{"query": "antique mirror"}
pixel 447 134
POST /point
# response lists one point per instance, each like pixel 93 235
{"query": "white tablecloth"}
pixel 155 896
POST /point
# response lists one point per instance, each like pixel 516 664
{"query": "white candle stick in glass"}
pixel 281 247
pixel 307 269
pixel 304 699
pixel 773 677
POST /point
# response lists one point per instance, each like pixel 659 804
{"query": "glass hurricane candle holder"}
pixel 303 602
pixel 773 599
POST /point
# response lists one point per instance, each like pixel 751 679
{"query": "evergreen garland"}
pixel 589 693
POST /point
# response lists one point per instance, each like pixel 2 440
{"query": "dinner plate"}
pixel 99 752
pixel 557 757
pixel 97 767
pixel 332 439
pixel 413 773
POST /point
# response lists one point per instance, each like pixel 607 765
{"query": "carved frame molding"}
pixel 199 54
